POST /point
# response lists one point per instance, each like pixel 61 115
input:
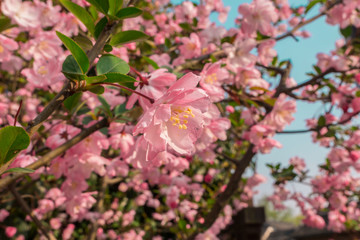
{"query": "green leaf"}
pixel 96 89
pixel 5 23
pixel 19 170
pixel 95 79
pixel 321 121
pixel 311 5
pixel 81 14
pixel 127 37
pixel 108 48
pixel 106 106
pixel 71 102
pixel 71 69
pixel 79 55
pixel 100 26
pixel 151 62
pixel 83 42
pixel 12 141
pixel 186 26
pixel 110 63
pixel 182 224
pixel 129 12
pixel 346 32
pixel 122 79
pixel 101 5
pixel 114 6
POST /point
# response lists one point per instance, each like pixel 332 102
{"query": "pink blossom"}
pixel 191 46
pixel 281 113
pixel 258 16
pixel 337 200
pixel 212 77
pixel 7 45
pixel 68 231
pixel 313 220
pixel 10 231
pixel 45 46
pixel 23 13
pixel 266 52
pixel 154 87
pixel 3 214
pixel 298 163
pixel 44 73
pixel 55 223
pixel 336 221
pixel 176 119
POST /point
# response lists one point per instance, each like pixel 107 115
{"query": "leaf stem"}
pixel 18 112
pixel 126 88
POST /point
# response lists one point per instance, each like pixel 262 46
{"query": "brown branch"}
pixel 28 211
pixel 231 188
pixel 46 159
pixel 312 80
pixel 99 207
pixel 284 76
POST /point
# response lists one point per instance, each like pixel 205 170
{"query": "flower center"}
pixel 179 116
pixel 1 49
pixel 210 79
pixel 42 70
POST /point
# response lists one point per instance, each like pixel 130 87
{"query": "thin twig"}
pixel 225 196
pixel 28 211
pixel 126 88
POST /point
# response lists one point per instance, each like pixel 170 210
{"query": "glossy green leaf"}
pixel 127 37
pixel 71 102
pixel 100 26
pixel 85 43
pixel 129 12
pixel 110 63
pixel 19 170
pixel 79 55
pixel 101 5
pixel 95 79
pixel 311 5
pixel 114 6
pixel 121 79
pixel 71 69
pixel 106 106
pixel 96 89
pixel 151 62
pixel 108 48
pixel 81 14
pixel 12 141
pixel 5 23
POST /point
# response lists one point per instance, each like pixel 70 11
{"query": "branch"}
pixel 231 188
pixel 284 76
pixel 28 211
pixel 311 81
pixel 46 159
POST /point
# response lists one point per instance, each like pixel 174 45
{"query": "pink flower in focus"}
pixel 177 118
pixel 155 87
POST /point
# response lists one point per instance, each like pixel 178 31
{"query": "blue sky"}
pixel 303 56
